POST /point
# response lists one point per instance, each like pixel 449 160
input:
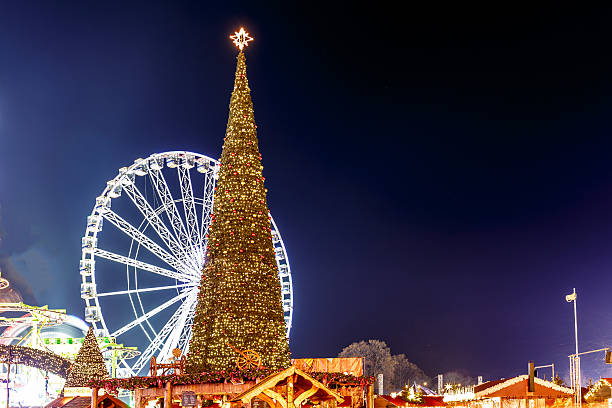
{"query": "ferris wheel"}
pixel 143 252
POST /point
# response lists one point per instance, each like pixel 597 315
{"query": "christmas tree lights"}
pixel 88 365
pixel 239 305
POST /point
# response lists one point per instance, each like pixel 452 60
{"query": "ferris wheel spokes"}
pixel 143 240
pixel 186 332
pixel 155 221
pixel 193 229
pixel 172 341
pixel 111 256
pixel 160 338
pixel 167 201
pixel 149 314
pixel 209 194
pixel 142 290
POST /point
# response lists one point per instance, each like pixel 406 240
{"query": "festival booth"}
pixel 201 393
pixel 345 377
pixel 598 395
pixel 513 393
pixel 237 388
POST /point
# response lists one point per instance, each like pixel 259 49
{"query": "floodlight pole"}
pixel 575 322
pixel 576 360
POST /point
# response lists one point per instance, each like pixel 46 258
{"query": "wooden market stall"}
pixel 288 388
pixel 172 394
pixel 514 393
pixel 357 392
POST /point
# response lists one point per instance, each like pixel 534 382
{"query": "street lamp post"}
pixel 575 359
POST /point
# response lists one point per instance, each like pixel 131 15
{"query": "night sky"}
pixel 442 177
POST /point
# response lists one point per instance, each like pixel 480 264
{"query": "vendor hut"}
pixel 514 393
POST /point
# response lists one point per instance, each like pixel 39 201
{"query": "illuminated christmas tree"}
pixel 88 365
pixel 239 305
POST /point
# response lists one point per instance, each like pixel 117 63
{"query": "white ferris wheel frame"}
pixel 185 243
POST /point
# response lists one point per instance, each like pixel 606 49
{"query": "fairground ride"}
pixel 23 325
pixel 39 343
pixel 144 267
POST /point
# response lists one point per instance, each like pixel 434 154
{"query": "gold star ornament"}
pixel 241 38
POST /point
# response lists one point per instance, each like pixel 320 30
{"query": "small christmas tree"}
pixel 88 365
pixel 240 305
pixel 412 394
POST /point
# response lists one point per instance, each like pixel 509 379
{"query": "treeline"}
pixel 397 370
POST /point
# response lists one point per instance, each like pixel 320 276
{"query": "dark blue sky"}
pixel 441 176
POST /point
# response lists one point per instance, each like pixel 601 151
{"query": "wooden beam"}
pixel 269 400
pixel 337 396
pixel 306 394
pixel 168 395
pixel 268 382
pixel 291 375
pixel 275 395
pixel 290 381
pixel 94 398
pixel 137 398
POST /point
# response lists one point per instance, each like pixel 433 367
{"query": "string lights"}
pixel 41 359
pixel 600 391
pixel 240 299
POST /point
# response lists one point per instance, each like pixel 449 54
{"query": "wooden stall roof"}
pixel 517 387
pixel 104 401
pixel 316 390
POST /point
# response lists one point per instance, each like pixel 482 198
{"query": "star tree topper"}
pixel 241 38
